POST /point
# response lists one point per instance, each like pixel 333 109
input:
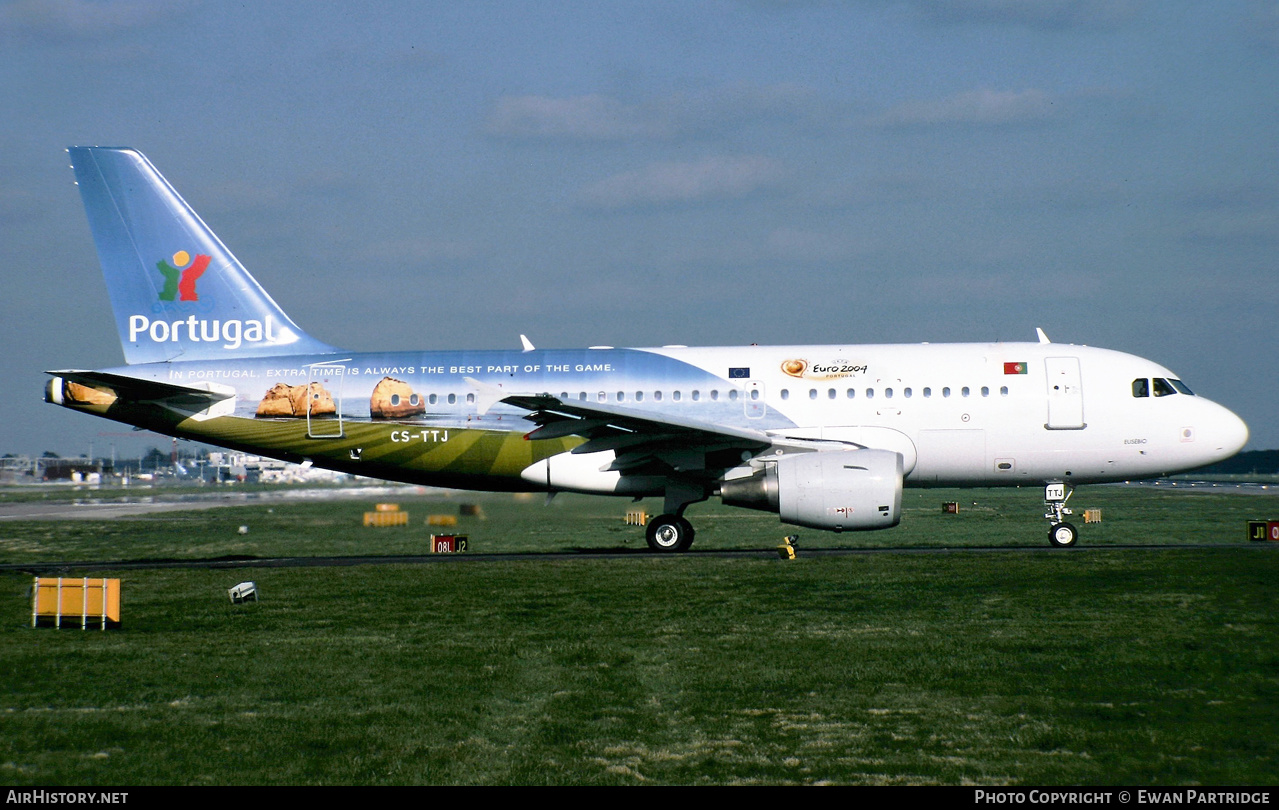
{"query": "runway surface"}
pixel 106 509
pixel 69 566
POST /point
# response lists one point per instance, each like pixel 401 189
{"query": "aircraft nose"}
pixel 1240 435
pixel 1229 434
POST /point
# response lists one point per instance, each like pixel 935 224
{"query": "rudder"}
pixel 178 293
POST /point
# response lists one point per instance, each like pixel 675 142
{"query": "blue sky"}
pixel 425 175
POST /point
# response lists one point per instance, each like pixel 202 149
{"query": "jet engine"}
pixel 845 490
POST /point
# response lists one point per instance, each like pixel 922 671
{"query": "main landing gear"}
pixel 670 531
pixel 1061 534
pixel 666 533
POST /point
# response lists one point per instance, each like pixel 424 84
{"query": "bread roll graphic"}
pixel 75 392
pixel 285 400
pixel 395 399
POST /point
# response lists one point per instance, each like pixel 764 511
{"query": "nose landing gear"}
pixel 1061 534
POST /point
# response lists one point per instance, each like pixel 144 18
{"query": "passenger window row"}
pixel 433 399
pixel 889 393
pixel 639 396
pixel 732 394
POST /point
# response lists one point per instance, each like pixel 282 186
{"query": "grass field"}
pixel 1088 666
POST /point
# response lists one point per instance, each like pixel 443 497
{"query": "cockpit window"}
pixel 1141 387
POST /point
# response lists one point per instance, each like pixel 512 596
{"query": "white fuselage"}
pixel 963 414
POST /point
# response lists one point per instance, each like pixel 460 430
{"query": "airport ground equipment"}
pixel 71 601
pixel 244 592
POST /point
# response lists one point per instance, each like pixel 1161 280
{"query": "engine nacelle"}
pixel 847 490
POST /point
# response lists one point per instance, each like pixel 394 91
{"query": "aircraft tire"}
pixel 1063 535
pixel 669 533
pixel 688 527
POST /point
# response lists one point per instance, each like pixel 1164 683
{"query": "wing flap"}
pixel 591 418
pixel 644 442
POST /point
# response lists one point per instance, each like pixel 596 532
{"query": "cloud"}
pixel 1048 15
pixel 19 205
pixel 742 104
pixel 1263 24
pixel 590 117
pixel 599 117
pixel 411 253
pixel 806 246
pixel 1232 214
pixel 683 183
pixel 83 19
pixel 974 108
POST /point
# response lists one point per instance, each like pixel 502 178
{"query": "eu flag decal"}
pixel 739 373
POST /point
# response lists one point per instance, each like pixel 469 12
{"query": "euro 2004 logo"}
pixel 833 370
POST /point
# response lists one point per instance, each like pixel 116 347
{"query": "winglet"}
pixel 528 344
pixel 1042 337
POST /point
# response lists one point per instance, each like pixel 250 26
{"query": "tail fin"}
pixel 177 292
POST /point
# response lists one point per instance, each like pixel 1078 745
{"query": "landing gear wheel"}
pixel 669 533
pixel 688 527
pixel 1063 535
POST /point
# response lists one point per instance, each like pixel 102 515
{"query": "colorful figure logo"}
pixel 179 278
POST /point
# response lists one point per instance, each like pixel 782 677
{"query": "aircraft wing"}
pixel 643 442
pixel 133 389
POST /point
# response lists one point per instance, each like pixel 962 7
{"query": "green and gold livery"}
pixel 418 452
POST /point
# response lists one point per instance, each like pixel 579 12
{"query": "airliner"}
pixel 826 436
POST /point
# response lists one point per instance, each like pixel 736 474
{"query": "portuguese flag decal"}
pixel 1015 368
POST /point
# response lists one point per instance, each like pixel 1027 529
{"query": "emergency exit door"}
pixel 324 400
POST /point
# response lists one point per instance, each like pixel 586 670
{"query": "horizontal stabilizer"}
pixel 133 389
